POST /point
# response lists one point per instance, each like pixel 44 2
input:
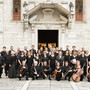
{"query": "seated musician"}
pixel 35 71
pixel 88 72
pixel 67 71
pixel 78 71
pixel 23 71
pixel 46 70
pixel 58 71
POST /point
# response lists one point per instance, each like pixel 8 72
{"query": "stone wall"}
pixel 12 33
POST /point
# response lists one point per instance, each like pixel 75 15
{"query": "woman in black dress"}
pixel 22 58
pixel 67 57
pixel 58 69
pixel 73 59
pixel 12 65
pixel 52 61
pixel 29 62
pixel 60 59
pixel 44 58
pixel 36 58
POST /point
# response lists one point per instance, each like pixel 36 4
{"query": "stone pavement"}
pixel 15 84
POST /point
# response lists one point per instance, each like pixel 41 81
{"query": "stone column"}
pixel 63 39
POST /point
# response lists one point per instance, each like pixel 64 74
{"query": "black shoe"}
pixel 69 80
pixel 50 79
pixel 27 79
pixel 33 79
pixel 19 78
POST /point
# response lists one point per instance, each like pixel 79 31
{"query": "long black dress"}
pixel 12 69
pixel 52 62
pixel 29 64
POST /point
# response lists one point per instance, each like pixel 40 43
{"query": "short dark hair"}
pixel 4 47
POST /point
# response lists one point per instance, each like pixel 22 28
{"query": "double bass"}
pixel 76 76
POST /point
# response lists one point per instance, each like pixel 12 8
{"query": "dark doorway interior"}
pixel 47 37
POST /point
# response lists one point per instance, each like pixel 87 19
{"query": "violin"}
pixel 54 74
pixel 21 70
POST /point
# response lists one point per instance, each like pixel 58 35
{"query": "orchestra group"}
pixel 47 63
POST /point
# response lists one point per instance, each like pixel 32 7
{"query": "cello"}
pixel 76 76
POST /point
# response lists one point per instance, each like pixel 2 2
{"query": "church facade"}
pixel 45 22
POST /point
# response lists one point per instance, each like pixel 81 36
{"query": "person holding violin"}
pixel 58 72
pixel 23 71
pixel 67 71
pixel 88 71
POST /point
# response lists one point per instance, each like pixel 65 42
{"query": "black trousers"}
pixel 26 73
pixel 6 68
pixel 0 71
pixel 69 75
pixel 88 79
pixel 58 76
pixel 52 68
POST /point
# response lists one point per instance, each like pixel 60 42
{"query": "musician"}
pixel 78 70
pixel 7 58
pixel 11 49
pixel 83 50
pixel 36 58
pixel 74 49
pixel 60 58
pixel 46 70
pixel 79 55
pixel 29 61
pixel 73 58
pixel 35 71
pixel 52 60
pixel 33 51
pixel 61 49
pixel 45 57
pixel 23 71
pixel 56 52
pixel 66 70
pixel 25 49
pixel 58 70
pixel 1 64
pixel 83 61
pixel 67 49
pixel 12 65
pixel 67 57
pixel 22 58
pixel 88 71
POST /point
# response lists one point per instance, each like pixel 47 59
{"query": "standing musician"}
pixel 23 71
pixel 60 58
pixel 83 60
pixel 88 71
pixel 1 64
pixel 67 71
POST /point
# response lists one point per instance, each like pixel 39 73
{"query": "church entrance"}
pixel 47 37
